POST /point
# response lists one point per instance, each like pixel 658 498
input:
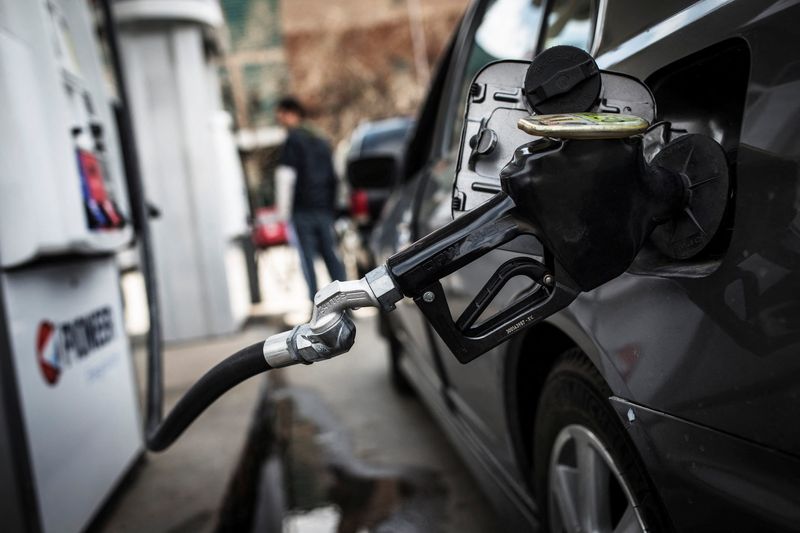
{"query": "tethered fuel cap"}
pixel 562 79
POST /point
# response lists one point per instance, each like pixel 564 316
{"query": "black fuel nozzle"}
pixel 592 203
pixel 418 269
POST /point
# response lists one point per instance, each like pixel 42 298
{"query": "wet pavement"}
pixel 329 447
pixel 333 448
pixel 299 473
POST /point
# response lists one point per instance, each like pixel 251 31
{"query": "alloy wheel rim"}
pixel 586 491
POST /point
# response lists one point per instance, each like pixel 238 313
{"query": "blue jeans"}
pixel 314 231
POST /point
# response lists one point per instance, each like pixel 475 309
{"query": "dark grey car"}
pixel 371 143
pixel 669 398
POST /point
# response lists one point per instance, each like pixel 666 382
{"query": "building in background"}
pixel 349 61
pixel 355 60
pixel 255 76
pixel 171 53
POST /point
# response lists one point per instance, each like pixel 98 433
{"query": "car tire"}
pixel 579 443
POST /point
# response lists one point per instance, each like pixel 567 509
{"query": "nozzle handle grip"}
pixel 456 244
pixel 417 272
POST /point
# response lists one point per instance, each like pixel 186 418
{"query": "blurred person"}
pixel 306 185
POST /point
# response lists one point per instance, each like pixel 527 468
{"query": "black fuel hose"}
pixel 240 366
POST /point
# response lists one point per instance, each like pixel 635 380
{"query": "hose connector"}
pixel 331 331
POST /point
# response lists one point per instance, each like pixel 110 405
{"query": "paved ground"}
pixel 387 429
pixel 181 489
pixel 348 400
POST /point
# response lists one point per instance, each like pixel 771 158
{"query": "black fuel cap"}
pixel 562 79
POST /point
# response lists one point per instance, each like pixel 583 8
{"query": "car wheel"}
pixel 587 473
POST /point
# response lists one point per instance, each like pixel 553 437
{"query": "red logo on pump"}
pixel 60 346
pixel 48 351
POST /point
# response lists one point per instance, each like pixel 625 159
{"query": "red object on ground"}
pixel 269 229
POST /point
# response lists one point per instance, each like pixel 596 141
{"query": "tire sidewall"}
pixel 575 393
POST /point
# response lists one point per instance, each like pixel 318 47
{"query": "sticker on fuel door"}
pixel 583 125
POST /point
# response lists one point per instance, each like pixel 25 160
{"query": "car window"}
pixel 570 22
pixel 507 30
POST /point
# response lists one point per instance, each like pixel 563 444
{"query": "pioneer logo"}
pixel 48 352
pixel 58 346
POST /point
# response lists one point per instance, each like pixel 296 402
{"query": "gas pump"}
pixel 68 409
pixel 554 148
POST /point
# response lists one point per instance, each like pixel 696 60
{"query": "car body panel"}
pixel 393 234
pixel 736 485
pixel 510 498
pixel 729 339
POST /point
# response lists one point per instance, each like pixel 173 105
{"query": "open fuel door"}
pixel 569 154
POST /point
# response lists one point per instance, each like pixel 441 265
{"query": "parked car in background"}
pixel 374 150
pixel 668 398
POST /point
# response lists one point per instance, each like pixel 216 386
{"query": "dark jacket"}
pixel 311 158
